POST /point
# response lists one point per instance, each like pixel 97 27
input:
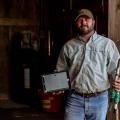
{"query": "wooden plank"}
pixel 114 21
pixel 113 30
pixel 16 22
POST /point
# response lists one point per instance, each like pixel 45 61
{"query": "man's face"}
pixel 85 25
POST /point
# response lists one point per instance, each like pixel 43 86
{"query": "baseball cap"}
pixel 85 12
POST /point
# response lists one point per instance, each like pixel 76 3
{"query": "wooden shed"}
pixel 41 22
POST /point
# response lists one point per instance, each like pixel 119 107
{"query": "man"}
pixel 89 58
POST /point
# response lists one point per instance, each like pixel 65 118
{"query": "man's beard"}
pixel 81 30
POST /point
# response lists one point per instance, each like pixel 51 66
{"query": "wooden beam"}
pixel 17 22
pixel 114 21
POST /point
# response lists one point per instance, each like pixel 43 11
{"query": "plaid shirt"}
pixel 89 64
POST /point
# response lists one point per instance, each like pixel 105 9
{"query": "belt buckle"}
pixel 90 95
pixel 86 95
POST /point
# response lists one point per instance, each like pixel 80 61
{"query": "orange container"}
pixel 51 102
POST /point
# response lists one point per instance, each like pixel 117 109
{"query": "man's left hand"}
pixel 116 85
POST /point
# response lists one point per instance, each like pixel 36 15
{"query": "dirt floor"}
pixel 12 111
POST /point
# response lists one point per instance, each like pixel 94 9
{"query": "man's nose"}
pixel 84 22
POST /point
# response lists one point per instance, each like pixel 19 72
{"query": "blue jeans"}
pixel 80 108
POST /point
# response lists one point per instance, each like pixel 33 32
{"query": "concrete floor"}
pixel 10 110
pixel 13 111
pixel 28 114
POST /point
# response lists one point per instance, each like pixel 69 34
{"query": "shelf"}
pixel 17 22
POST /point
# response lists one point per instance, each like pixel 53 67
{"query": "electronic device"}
pixel 56 81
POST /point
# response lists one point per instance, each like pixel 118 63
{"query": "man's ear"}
pixel 93 22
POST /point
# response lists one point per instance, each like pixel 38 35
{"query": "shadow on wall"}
pixel 24 85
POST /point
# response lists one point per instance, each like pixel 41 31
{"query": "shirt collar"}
pixel 92 38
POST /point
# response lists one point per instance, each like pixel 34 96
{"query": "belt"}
pixel 88 95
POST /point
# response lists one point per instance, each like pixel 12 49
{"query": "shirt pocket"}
pixel 77 55
pixel 97 56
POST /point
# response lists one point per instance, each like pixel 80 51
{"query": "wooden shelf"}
pixel 17 22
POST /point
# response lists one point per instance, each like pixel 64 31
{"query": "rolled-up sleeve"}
pixel 113 57
pixel 62 64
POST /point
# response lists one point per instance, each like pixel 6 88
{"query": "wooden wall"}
pixel 15 16
pixel 114 21
pixel 114 31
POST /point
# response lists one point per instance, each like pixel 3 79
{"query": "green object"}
pixel 115 96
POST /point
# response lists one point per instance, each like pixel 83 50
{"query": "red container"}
pixel 51 102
